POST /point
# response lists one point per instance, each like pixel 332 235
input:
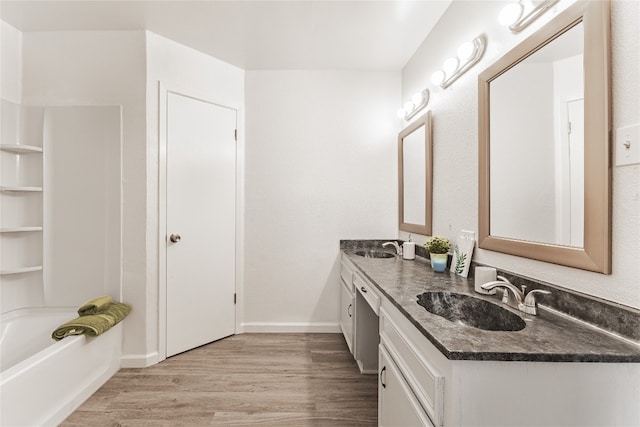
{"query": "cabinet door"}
pixel 397 406
pixel 346 314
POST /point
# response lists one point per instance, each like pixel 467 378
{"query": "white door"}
pixel 576 163
pixel 200 218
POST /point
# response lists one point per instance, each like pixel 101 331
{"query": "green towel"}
pixel 94 306
pixel 93 324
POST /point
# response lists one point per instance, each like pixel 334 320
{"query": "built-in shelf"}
pixel 19 229
pixel 20 148
pixel 19 188
pixel 21 270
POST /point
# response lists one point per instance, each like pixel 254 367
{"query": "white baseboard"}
pixel 139 360
pixel 290 327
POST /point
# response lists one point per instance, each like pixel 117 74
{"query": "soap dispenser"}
pixel 409 249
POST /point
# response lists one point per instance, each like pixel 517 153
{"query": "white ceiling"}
pixel 318 34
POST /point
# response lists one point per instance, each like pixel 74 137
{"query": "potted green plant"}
pixel 438 248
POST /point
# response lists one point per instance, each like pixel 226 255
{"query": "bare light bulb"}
pixel 510 14
pixel 417 98
pixel 408 107
pixel 401 113
pixel 438 77
pixel 465 51
pixel 450 65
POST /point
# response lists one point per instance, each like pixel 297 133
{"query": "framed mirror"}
pixel 415 176
pixel 544 125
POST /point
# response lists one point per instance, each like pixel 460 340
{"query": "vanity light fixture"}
pixel 513 16
pixel 468 54
pixel 419 100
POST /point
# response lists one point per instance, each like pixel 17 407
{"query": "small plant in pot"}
pixel 438 248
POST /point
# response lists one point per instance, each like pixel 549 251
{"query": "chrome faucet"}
pixel 513 297
pixel 395 245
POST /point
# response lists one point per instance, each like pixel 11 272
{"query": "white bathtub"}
pixel 43 381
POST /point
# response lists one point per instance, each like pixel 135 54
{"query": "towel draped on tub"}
pixel 105 315
pixel 95 305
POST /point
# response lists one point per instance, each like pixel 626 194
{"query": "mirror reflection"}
pixel 537 145
pixel 415 176
pixel 543 144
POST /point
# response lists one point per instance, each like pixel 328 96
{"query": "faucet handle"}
pixel 530 304
pixel 530 299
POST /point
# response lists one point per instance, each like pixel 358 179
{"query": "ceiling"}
pixel 254 35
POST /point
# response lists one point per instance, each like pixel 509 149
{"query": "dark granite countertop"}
pixel 547 337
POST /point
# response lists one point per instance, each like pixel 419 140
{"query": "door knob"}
pixel 175 238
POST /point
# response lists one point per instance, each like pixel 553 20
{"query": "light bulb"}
pixel 465 51
pixel 438 77
pixel 450 65
pixel 417 98
pixel 510 14
pixel 408 107
pixel 401 113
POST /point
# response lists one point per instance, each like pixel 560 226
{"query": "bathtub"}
pixel 43 381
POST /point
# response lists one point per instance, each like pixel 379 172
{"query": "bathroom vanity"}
pixel 437 372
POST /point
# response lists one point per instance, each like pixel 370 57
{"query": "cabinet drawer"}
pixel 368 292
pixel 424 379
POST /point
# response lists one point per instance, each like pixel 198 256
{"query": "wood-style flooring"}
pixel 243 380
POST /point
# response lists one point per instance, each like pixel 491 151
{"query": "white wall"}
pixel 10 63
pixel 82 209
pixel 321 165
pixel 185 70
pixel 104 68
pixel 455 125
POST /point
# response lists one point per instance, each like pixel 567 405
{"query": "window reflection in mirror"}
pixel 415 176
pixel 537 145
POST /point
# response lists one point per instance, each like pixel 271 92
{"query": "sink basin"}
pixel 470 311
pixel 375 254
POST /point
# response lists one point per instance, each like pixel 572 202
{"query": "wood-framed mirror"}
pixel 544 150
pixel 415 176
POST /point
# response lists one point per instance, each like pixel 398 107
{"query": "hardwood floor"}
pixel 243 380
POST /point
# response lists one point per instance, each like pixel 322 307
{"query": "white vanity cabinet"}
pixel 397 404
pixel 420 386
pixel 359 303
pixel 503 393
pixel 420 365
pixel 347 303
pixel 367 304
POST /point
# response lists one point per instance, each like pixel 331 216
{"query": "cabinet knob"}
pixel 175 238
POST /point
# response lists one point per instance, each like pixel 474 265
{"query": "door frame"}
pixel 163 93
